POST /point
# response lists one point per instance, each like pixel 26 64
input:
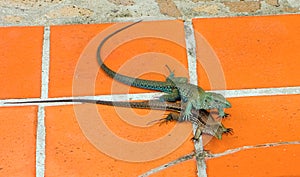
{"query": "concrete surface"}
pixel 54 12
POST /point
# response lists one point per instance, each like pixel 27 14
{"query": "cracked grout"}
pixel 231 151
pixel 207 155
pixel 166 165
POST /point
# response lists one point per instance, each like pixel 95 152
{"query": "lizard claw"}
pixel 155 121
pixel 167 119
pixel 229 131
pixel 160 121
pixel 186 117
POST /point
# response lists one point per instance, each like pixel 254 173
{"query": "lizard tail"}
pixel 141 83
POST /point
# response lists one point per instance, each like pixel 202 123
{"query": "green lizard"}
pixel 202 118
pixel 175 87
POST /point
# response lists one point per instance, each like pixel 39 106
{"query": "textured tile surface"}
pixel 253 52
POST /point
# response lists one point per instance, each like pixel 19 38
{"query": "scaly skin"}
pixel 176 88
pixel 202 118
pixel 208 125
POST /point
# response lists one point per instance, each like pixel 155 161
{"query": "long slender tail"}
pixel 140 83
pixel 53 101
pixel 152 104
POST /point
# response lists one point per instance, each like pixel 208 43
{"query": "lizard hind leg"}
pixel 171 73
pixel 172 78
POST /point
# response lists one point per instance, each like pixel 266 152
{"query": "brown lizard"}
pixel 203 119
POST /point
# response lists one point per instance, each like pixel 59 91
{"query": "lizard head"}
pixel 213 100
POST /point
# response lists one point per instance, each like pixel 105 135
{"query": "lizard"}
pixel 202 118
pixel 175 88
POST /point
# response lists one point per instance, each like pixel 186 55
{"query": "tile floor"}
pixel 232 53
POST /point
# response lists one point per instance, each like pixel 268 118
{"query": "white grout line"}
pixel 45 62
pixel 191 52
pixel 261 92
pixel 267 145
pixel 41 131
pixel 40 143
pixel 192 67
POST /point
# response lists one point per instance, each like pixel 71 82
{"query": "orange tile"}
pixel 70 153
pixel 187 168
pixel 140 51
pixel 67 43
pixel 253 52
pixel 20 56
pixel 18 132
pixel 259 120
pixel 251 48
pixel 271 161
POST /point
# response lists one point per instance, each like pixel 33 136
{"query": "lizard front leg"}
pixel 222 114
pixel 187 112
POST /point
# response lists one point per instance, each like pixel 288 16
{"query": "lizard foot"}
pixel 160 121
pixel 228 131
pixel 185 117
pixel 167 119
